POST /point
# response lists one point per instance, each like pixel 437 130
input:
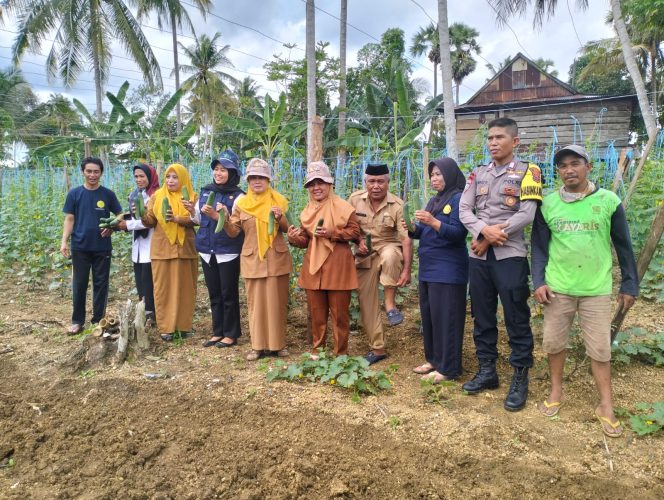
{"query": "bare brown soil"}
pixel 212 427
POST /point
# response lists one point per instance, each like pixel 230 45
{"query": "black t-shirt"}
pixel 89 206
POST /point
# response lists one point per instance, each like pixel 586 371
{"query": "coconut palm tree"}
pixel 207 82
pixel 172 13
pixel 447 79
pixel 463 42
pixel 543 8
pixel 84 31
pixel 311 75
pixel 343 16
pixel 427 41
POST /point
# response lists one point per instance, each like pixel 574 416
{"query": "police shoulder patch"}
pixel 531 185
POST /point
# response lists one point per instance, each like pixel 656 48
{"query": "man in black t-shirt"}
pixel 90 246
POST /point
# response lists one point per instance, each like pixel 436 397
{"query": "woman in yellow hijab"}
pixel 173 255
pixel 265 262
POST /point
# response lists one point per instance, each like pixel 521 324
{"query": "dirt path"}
pixel 214 427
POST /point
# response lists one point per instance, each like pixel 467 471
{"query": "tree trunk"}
pixel 632 67
pixel 98 86
pixel 311 76
pixel 457 86
pixel 653 76
pixel 435 79
pixel 646 255
pixel 649 117
pixel 341 154
pixel 446 81
pixel 176 70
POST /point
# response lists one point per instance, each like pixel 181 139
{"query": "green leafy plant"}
pixel 349 372
pixel 648 419
pixel 636 344
pixel 435 393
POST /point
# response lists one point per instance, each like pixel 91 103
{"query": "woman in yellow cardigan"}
pixel 173 255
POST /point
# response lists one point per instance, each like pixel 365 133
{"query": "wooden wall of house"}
pixel 535 123
pixel 521 81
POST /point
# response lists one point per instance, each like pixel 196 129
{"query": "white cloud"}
pixel 284 20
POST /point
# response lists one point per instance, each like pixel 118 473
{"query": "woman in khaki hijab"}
pixel 328 224
pixel 265 262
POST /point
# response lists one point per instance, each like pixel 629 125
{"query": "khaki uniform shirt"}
pixel 498 194
pixel 160 247
pixel 384 225
pixel 276 261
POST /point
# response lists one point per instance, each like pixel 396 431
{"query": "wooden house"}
pixel 541 104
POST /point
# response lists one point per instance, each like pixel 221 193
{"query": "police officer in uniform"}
pixel 389 259
pixel 499 201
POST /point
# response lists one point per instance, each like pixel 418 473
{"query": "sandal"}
pixel 423 369
pixel 549 409
pixel 254 355
pixel 74 329
pixel 167 337
pixel 283 353
pixel 435 378
pixel 610 429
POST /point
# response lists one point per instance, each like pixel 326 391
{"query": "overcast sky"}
pixel 284 20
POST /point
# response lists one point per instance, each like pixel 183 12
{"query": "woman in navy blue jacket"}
pixel 219 253
pixel 443 275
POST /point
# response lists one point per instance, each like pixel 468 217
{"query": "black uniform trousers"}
pixel 144 286
pixel 507 279
pixel 443 310
pixel 222 281
pixel 100 265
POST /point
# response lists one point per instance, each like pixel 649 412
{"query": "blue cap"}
pixel 228 159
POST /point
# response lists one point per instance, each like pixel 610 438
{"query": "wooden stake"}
pixel 142 338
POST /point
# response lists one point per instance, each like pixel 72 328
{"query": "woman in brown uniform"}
pixel 173 255
pixel 328 271
pixel 265 262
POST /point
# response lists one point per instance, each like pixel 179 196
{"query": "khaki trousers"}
pixel 384 266
pixel 335 303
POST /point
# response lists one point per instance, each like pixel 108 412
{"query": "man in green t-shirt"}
pixel 571 257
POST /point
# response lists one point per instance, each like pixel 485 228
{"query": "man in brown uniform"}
pixel 389 259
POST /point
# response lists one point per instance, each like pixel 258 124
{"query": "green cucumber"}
pixel 288 218
pixel 367 242
pixel 270 223
pixel 165 207
pixel 210 199
pixel 320 223
pixel 408 218
pixel 140 206
pixel 185 193
pixel 220 222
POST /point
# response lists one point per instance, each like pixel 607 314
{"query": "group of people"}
pixel 365 242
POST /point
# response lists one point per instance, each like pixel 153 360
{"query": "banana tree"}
pixel 99 134
pixel 154 142
pixel 265 126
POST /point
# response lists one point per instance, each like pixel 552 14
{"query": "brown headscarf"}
pixel 335 213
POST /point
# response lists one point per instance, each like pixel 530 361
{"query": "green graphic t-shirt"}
pixel 580 257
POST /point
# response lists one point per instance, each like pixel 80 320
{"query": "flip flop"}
pixel 549 409
pixel 423 369
pixel 435 378
pixel 612 429
pixel 74 329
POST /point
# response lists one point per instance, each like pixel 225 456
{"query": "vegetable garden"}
pixel 329 428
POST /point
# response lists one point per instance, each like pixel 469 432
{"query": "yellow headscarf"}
pixel 259 206
pixel 174 232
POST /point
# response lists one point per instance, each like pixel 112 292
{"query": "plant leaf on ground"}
pixel 349 372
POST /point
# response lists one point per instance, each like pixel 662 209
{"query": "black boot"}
pixel 518 393
pixel 485 378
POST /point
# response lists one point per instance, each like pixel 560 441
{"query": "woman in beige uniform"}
pixel 265 262
pixel 328 272
pixel 173 255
